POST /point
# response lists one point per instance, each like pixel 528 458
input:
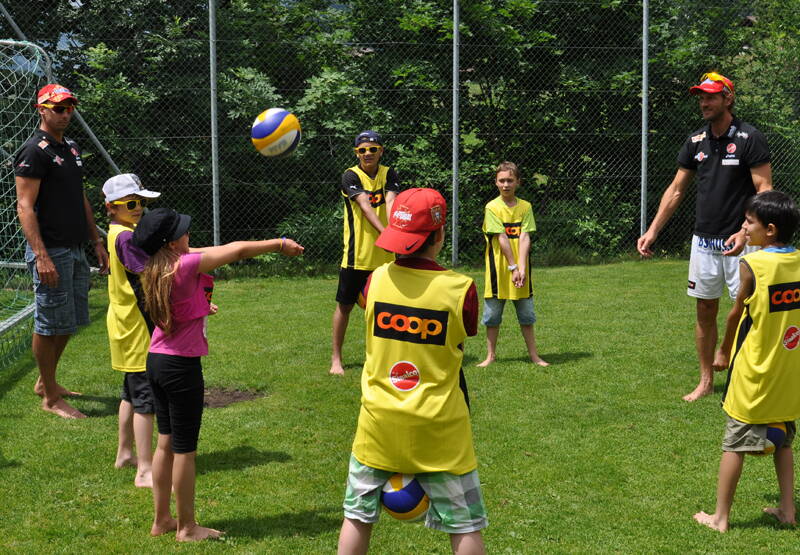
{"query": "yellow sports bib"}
pixel 499 218
pixel 764 376
pixel 360 252
pixel 413 414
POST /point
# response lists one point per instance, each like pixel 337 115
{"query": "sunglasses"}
pixel 717 78
pixel 59 109
pixel 365 149
pixel 131 204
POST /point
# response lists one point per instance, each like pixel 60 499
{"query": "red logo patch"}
pixel 404 375
pixel 791 338
pixel 731 148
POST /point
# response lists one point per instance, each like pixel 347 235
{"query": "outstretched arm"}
pixel 214 257
pixel 670 201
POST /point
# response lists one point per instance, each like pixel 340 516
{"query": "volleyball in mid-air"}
pixel 275 132
pixel 776 435
pixel 404 498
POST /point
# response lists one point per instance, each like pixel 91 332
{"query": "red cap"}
pixel 712 82
pixel 415 213
pixel 54 93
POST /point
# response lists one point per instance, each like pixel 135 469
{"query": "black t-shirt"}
pixel 59 206
pixel 351 184
pixel 724 182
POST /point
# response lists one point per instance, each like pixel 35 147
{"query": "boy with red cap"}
pixel 414 415
pixel 732 162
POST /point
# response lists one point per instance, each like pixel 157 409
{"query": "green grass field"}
pixel 596 453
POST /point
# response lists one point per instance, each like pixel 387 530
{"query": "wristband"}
pixel 512 267
pixel 283 240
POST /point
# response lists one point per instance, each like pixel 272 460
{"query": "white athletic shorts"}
pixel 710 270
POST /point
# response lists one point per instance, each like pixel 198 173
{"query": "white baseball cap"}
pixel 126 184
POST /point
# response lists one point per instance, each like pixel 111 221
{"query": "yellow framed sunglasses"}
pixel 365 149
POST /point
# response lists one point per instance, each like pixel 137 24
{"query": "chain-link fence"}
pixel 553 85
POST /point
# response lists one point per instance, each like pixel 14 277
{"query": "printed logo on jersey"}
pixel 23 164
pixel 43 144
pixel 692 284
pixel 58 160
pixel 698 138
pixel 404 375
pixel 513 229
pixel 791 338
pixel 405 323
pixel 700 156
pixel 376 198
pixel 731 148
pixel 784 296
pixel 742 134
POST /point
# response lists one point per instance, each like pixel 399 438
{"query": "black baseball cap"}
pixel 158 227
pixel 368 137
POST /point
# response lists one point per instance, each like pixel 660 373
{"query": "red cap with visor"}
pixel 713 83
pixel 415 214
pixel 54 93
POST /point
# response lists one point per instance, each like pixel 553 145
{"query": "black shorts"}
pixel 178 387
pixel 351 283
pixel 137 391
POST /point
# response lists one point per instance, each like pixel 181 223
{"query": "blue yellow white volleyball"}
pixel 275 132
pixel 403 497
pixel 776 435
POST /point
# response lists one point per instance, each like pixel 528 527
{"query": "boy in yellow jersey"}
pixel 129 328
pixel 368 190
pixel 764 370
pixel 507 223
pixel 414 415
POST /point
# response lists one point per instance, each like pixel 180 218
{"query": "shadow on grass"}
pixel 305 523
pixel 6 463
pixel 96 406
pixel 237 458
pixel 10 376
pixel 552 358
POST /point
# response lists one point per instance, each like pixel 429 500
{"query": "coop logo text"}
pixel 784 296
pixel 405 323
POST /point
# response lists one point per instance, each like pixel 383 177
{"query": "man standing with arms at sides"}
pixel 732 163
pixel 57 220
pixel 368 190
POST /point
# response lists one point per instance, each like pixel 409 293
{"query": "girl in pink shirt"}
pixel 177 289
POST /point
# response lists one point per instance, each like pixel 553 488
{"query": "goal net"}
pixel 24 67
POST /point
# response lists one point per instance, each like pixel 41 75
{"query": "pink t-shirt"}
pixel 190 298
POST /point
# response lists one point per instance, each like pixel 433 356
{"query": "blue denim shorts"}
pixel 493 311
pixel 61 309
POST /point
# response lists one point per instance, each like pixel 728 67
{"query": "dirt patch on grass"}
pixel 216 397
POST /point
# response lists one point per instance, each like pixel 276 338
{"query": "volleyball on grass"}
pixel 275 132
pixel 776 435
pixel 404 498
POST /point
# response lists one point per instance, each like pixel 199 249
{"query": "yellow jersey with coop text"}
pixel 513 221
pixel 360 252
pixel 764 375
pixel 414 417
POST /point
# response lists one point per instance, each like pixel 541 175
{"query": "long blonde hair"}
pixel 157 278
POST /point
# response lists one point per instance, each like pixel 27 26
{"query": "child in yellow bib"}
pixel 507 224
pixel 414 415
pixel 129 328
pixel 761 350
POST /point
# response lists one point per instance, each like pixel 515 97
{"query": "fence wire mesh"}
pixel 554 86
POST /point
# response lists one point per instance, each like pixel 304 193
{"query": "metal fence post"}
pixel 454 208
pixel 645 102
pixel 212 65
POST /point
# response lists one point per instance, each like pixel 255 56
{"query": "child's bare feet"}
pixel 780 516
pixel 540 361
pixel 487 362
pixel 197 533
pixel 712 521
pixel 700 391
pixel 62 408
pixel 125 458
pixel 336 370
pixel 144 479
pixel 159 528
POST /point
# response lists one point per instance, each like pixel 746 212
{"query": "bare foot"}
pixel 699 391
pixel 125 459
pixel 336 369
pixel 485 363
pixel 62 408
pixel 160 528
pixel 540 361
pixel 60 390
pixel 197 533
pixel 778 514
pixel 144 479
pixel 711 521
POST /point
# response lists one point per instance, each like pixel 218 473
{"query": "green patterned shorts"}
pixel 456 502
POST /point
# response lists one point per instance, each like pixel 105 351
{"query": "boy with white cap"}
pixel 129 327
